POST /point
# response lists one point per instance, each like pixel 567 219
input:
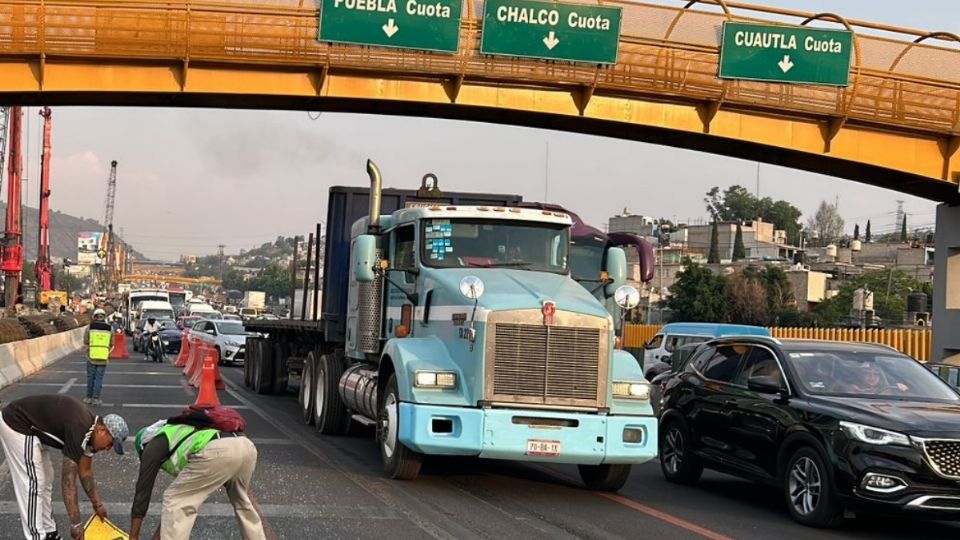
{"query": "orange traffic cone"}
pixel 184 352
pixel 207 397
pixel 119 351
pixel 195 362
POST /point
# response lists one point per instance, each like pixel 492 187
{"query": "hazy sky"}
pixel 191 179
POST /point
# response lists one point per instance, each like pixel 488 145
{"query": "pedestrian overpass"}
pixel 896 124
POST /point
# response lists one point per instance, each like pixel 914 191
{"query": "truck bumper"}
pixel 584 439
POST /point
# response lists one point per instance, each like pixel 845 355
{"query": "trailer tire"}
pixel 331 415
pixel 307 386
pixel 263 376
pixel 399 462
pixel 280 374
pixel 249 362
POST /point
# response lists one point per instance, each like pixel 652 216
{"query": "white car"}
pixel 229 338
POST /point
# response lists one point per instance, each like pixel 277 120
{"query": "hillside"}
pixel 63 232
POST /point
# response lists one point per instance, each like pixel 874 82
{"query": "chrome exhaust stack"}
pixel 376 184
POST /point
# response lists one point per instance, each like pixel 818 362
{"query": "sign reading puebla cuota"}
pixel 430 25
pixel 551 30
pixel 785 54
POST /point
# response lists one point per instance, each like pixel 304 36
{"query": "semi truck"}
pixel 451 324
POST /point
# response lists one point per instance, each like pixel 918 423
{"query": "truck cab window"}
pixel 404 253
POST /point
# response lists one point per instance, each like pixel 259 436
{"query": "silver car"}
pixel 229 338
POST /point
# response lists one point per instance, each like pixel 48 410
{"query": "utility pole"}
pixel 220 248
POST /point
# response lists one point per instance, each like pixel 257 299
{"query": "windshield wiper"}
pixel 522 264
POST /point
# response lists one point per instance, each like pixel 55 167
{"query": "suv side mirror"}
pixel 364 257
pixel 764 384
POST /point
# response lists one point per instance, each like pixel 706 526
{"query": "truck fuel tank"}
pixel 358 390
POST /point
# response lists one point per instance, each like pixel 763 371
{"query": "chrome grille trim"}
pixel 943 456
pixel 561 365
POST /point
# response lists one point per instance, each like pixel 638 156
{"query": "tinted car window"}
pixel 724 363
pixel 699 360
pixel 760 362
pixel 679 341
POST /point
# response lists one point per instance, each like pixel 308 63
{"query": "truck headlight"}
pixel 631 390
pixel 435 379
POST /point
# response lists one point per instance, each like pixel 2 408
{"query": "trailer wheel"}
pixel 399 462
pixel 263 375
pixel 280 375
pixel 331 415
pixel 307 387
pixel 249 362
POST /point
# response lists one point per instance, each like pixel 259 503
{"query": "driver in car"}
pixel 873 381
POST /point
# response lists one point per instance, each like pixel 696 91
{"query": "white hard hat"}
pixel 99 313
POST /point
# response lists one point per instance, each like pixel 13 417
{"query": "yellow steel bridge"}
pixel 896 125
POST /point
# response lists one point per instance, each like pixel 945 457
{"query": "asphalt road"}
pixel 311 486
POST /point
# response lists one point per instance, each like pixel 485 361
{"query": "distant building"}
pixel 760 239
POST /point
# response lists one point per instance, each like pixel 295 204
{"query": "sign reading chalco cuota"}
pixel 429 25
pixel 791 54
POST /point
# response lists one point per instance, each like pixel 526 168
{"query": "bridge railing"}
pixel 914 342
pixel 668 53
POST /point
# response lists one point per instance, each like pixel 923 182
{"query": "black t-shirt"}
pixel 60 421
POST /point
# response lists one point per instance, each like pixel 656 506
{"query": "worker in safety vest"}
pixel 200 460
pixel 99 341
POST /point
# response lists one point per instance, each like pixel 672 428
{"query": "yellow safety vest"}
pixel 99 346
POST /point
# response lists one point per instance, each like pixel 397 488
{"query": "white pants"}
pixel 31 472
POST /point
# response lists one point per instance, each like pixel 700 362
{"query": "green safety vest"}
pixel 99 345
pixel 176 434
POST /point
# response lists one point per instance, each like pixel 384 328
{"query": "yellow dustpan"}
pixel 102 529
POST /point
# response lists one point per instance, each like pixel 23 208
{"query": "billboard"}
pixel 91 248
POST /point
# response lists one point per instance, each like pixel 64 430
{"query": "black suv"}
pixel 836 425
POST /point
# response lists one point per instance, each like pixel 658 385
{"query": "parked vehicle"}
pixel 455 300
pixel 836 425
pixel 678 334
pixel 229 338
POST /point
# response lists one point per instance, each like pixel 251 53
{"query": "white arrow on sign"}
pixel 390 28
pixel 551 40
pixel 785 64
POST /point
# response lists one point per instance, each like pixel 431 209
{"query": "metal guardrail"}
pixel 666 53
pixel 917 343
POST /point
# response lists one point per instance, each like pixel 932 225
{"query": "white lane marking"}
pixel 308 511
pixel 65 387
pixel 111 372
pixel 106 385
pixel 178 406
pixel 4 475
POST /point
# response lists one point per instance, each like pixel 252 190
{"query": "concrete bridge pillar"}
pixel 946 287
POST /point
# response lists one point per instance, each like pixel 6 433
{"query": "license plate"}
pixel 539 447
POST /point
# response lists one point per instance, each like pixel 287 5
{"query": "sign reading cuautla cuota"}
pixel 551 30
pixel 430 25
pixel 793 54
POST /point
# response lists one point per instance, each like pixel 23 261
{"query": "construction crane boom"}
pixel 44 268
pixel 109 271
pixel 4 120
pixel 11 259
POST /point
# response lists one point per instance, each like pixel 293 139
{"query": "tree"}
pixel 889 307
pixel 856 231
pixel 714 255
pixel 903 229
pixel 738 204
pixel 866 236
pixel 746 300
pixel 739 251
pixel 697 295
pixel 827 222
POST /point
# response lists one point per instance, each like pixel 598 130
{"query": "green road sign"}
pixel 791 54
pixel 431 25
pixel 552 31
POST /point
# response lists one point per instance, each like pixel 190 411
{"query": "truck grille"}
pixel 944 455
pixel 547 365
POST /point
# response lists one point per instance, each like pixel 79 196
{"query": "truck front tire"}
pixel 399 462
pixel 263 370
pixel 332 417
pixel 604 477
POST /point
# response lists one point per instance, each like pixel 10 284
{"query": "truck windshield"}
pixel 483 243
pixel 586 257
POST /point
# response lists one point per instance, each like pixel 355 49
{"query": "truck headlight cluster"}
pixel 435 379
pixel 631 390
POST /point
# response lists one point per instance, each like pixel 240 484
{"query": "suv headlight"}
pixel 873 435
pixel 435 379
pixel 631 390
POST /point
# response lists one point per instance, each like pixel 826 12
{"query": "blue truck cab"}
pixel 466 335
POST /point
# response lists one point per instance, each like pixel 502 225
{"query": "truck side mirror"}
pixel 365 257
pixel 616 264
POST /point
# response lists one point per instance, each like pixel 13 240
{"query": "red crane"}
pixel 43 267
pixel 11 260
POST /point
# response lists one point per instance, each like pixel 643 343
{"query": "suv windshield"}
pixel 867 374
pixel 483 243
pixel 231 328
pixel 156 314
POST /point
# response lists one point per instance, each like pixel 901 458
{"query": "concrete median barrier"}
pixel 20 359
